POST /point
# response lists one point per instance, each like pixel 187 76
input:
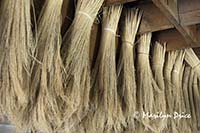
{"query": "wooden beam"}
pixel 189 11
pixel 173 39
pixel 190 18
pixel 185 6
pixel 152 19
pixel 110 2
pixel 187 32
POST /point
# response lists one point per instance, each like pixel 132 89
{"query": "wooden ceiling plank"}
pixel 189 12
pixel 185 31
pixel 150 21
pixel 154 20
pixel 190 18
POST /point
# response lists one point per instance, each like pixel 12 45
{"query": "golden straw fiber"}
pixel 192 102
pixel 75 54
pixel 147 86
pixel 126 68
pixel 107 115
pixel 46 85
pixel 158 61
pixel 169 63
pixel 15 62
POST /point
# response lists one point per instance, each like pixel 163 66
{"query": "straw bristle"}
pixel 185 85
pixel 192 103
pixel 169 63
pixel 126 68
pixel 176 81
pixel 192 59
pixel 75 53
pixel 183 126
pixel 159 51
pixel 158 64
pixel 46 85
pixel 147 86
pixel 51 84
pixel 15 47
pixel 104 96
pixel 196 97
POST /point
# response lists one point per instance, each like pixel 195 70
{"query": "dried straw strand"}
pixel 146 84
pixel 159 51
pixel 15 47
pixel 192 103
pixel 126 68
pixel 185 85
pixel 176 80
pixel 184 126
pixel 196 99
pixel 108 114
pixel 75 53
pixel 176 85
pixel 169 63
pixel 46 85
pixel 192 59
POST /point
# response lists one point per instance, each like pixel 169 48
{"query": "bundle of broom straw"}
pixel 104 97
pixel 194 62
pixel 184 122
pixel 126 68
pixel 169 63
pixel 146 83
pixel 192 103
pixel 186 96
pixel 192 59
pixel 75 54
pixel 196 96
pixel 176 80
pixel 159 51
pixel 158 61
pixel 177 88
pixel 46 85
pixel 15 48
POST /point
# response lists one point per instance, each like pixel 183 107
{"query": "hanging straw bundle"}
pixel 183 126
pixel 194 62
pixel 126 68
pixel 146 83
pixel 196 96
pixel 104 97
pixel 192 103
pixel 158 64
pixel 169 63
pixel 192 59
pixel 176 80
pixel 15 50
pixel 157 67
pixel 46 85
pixel 186 96
pixel 177 86
pixel 75 53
